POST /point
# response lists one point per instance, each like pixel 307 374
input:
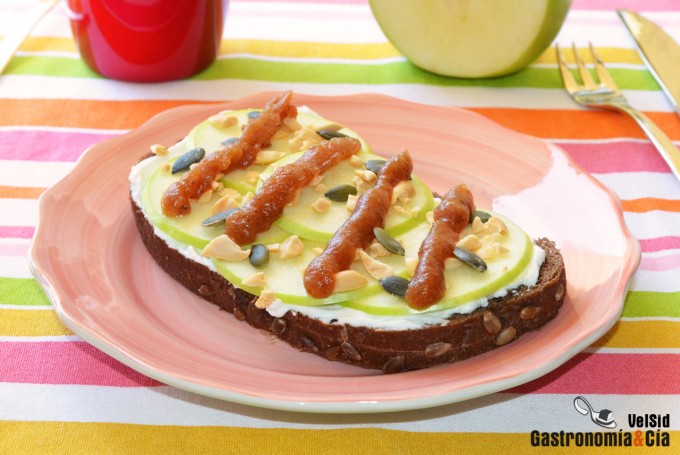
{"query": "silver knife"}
pixel 659 51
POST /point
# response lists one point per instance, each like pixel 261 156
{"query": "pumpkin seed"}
pixel 330 134
pixel 470 259
pixel 375 165
pixel 341 193
pixel 187 159
pixel 254 114
pixel 218 217
pixel 231 140
pixel 389 242
pixel 259 256
pixel 483 216
pixel 395 285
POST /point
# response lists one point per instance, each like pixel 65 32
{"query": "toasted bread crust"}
pixel 501 322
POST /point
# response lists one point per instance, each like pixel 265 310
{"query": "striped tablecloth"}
pixel 58 394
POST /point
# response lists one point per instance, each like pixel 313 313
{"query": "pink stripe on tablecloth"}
pixel 67 362
pixel 624 156
pixel 348 2
pixel 79 363
pixel 636 5
pixel 13 249
pixel 659 244
pixel 17 232
pixel 47 145
pixel 625 374
pixel 658 264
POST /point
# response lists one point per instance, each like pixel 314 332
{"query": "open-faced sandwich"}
pixel 291 223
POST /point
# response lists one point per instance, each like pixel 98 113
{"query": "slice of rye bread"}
pixel 501 322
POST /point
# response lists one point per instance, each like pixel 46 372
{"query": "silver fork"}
pixel 606 95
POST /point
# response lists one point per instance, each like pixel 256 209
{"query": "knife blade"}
pixel 659 51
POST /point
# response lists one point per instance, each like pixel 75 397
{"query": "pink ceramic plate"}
pixel 106 288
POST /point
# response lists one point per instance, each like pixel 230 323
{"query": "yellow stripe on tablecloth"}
pixel 48 44
pixel 113 438
pixel 656 333
pixel 300 49
pixel 648 333
pixel 33 322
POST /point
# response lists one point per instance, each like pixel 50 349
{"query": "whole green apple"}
pixel 471 38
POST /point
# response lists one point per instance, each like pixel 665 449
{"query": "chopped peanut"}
pixel 251 177
pixel 205 197
pixel 429 216
pixel 400 210
pixel 316 180
pixel 247 197
pixel 348 280
pixel 477 225
pixel 166 168
pixel 268 156
pixel 291 247
pixel 274 247
pixel 256 280
pixel 366 175
pixel 316 251
pixel 356 162
pixel 291 123
pixel 281 133
pixel 265 299
pixel 470 242
pixel 222 120
pixel 374 267
pixel 411 264
pixel 232 193
pixel 377 250
pixel 321 205
pixel 351 202
pixel 403 191
pixel 159 149
pixel 225 203
pixel 495 224
pixel 223 247
pixel 331 126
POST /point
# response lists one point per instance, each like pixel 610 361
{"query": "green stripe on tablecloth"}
pixel 27 291
pixel 349 73
pixel 639 304
pixel 22 291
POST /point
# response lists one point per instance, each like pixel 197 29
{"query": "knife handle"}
pixel 663 143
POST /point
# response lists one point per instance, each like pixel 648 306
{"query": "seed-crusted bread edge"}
pixel 501 322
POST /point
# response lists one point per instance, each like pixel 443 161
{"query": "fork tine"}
pixel 602 73
pixel 587 79
pixel 567 79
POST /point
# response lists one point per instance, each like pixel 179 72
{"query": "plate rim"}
pixel 627 273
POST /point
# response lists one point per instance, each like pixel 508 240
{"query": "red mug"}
pixel 147 40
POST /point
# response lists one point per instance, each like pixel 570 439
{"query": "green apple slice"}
pixel 302 220
pixel 464 283
pixel 188 229
pixel 285 276
pixel 466 38
pixel 210 137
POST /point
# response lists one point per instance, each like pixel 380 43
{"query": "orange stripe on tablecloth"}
pixel 648 204
pixel 18 192
pixel 578 124
pixel 551 123
pixel 113 115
